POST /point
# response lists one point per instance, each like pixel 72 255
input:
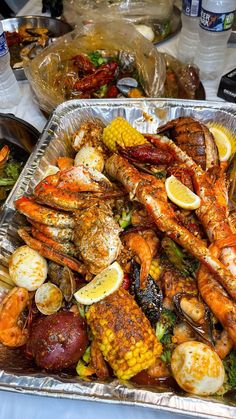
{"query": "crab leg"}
pixel 63 199
pixel 150 192
pixel 50 253
pixel 48 216
pixel 70 201
pixel 61 235
pixel 211 188
pixel 67 248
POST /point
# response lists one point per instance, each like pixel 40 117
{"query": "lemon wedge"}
pixel 104 284
pixel 182 196
pixel 223 141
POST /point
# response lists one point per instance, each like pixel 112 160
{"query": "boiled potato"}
pixel 90 157
pixel 197 368
pixel 57 341
pixel 27 268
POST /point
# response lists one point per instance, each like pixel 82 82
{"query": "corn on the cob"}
pixel 155 269
pixel 123 334
pixel 119 131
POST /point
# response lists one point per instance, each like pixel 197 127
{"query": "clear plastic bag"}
pixel 156 14
pixel 48 73
pixel 135 11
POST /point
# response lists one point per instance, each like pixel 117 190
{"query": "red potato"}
pixel 57 341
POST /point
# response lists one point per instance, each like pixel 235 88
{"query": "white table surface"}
pixel 17 405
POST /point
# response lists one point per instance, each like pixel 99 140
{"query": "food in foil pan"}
pixel 128 263
pixel 26 43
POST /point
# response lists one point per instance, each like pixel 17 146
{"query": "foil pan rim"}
pixel 115 392
pixel 163 401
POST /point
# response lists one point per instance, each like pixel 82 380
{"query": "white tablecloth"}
pixel 16 405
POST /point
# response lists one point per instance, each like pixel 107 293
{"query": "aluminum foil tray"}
pixel 20 375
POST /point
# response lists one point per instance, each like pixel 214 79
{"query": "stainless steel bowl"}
pixel 18 132
pixel 55 26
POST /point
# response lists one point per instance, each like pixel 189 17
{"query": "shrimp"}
pixel 217 298
pixel 211 188
pixel 11 332
pixel 223 344
pixel 48 216
pixel 151 192
pixel 50 253
pixel 139 246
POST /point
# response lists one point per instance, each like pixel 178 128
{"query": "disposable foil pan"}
pixel 18 374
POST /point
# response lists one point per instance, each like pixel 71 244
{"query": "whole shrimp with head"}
pixel 12 330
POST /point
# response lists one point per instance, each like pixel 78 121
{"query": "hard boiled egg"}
pixel 27 268
pixel 90 157
pixel 197 368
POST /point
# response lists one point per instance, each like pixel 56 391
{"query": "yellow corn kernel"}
pixel 119 131
pixel 155 269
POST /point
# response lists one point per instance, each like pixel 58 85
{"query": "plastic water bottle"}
pixel 188 39
pixel 215 25
pixel 9 89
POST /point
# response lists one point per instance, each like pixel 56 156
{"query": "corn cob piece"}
pixel 123 334
pixel 119 131
pixel 155 269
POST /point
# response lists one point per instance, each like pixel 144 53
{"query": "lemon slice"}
pixel 222 141
pixel 104 284
pixel 182 196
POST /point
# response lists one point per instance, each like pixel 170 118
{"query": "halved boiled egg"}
pixel 197 368
pixel 27 268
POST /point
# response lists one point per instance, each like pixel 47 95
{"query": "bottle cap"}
pixel 227 87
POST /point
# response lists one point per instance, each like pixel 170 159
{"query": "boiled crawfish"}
pixel 104 75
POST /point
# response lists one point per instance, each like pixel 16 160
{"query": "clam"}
pixel 63 278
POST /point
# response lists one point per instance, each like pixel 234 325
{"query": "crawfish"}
pixel 104 75
pixel 83 64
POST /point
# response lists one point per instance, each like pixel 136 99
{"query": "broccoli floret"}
pixel 13 169
pixel 230 367
pixel 184 262
pixel 165 324
pixel 166 356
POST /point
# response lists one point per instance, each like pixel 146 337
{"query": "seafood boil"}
pixel 127 263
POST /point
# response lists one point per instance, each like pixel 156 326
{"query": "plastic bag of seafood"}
pixel 152 17
pixel 97 61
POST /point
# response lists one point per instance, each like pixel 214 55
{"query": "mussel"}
pixel 204 330
pixel 150 298
pixel 126 84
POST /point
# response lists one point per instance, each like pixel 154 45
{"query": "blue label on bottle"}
pixel 191 7
pixel 216 22
pixel 3 45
